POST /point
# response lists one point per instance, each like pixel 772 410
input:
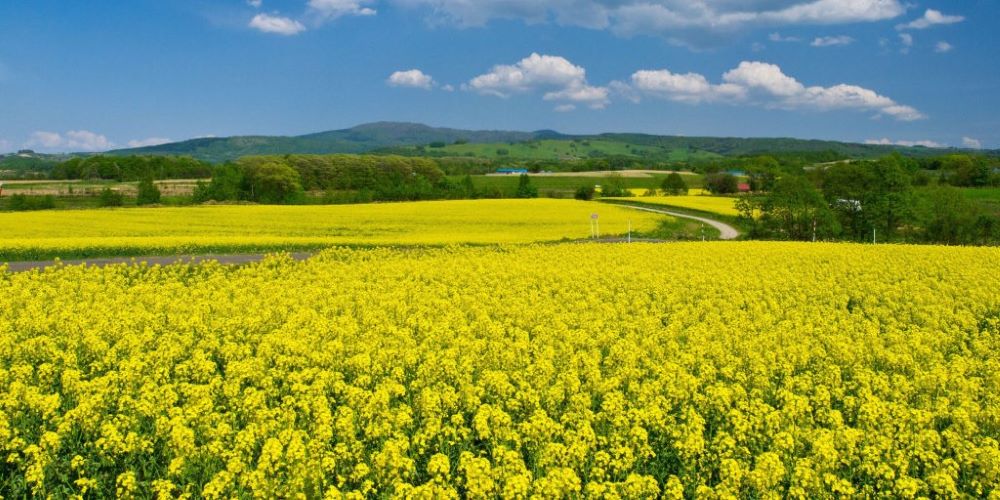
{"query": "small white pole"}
pixel 630 230
pixel 873 236
pixel 598 224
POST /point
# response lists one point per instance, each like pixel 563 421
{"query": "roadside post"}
pixel 595 226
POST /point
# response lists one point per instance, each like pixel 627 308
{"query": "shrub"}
pixel 110 198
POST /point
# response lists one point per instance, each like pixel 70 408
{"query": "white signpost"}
pixel 595 226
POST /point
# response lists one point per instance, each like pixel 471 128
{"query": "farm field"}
pixel 250 228
pixel 758 370
pixel 719 205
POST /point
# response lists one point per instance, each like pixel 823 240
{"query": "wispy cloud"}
pixel 888 142
pixel 678 20
pixel 832 41
pixel 971 143
pixel 74 140
pixel 943 47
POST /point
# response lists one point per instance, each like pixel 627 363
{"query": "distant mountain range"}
pixel 406 137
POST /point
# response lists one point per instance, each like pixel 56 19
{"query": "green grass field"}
pixel 987 197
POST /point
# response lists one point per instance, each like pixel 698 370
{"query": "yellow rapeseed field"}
pixel 144 231
pixel 718 370
pixel 722 205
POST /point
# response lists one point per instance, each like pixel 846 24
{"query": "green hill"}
pixel 422 140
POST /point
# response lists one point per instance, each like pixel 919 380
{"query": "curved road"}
pixel 726 232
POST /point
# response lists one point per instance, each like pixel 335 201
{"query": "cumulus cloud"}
pixel 277 25
pixel 930 18
pixel 943 47
pixel 832 41
pixel 766 84
pixel 971 143
pixel 327 10
pixel 151 141
pixel 255 3
pixel 888 142
pixel 74 140
pixel 411 78
pixel 562 80
pixel 668 18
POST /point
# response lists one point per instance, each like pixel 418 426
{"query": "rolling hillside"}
pixel 414 139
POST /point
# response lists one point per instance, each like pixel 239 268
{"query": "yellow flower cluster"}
pixel 558 371
pixel 145 231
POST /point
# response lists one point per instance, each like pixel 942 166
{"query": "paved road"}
pixel 239 259
pixel 726 232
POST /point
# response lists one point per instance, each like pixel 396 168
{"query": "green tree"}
pixel 149 194
pixel 270 181
pixel 722 183
pixel 674 185
pixel 792 210
pixel 525 189
pixel 613 186
pixel 585 193
pixel 944 215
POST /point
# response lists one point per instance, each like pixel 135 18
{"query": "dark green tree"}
pixel 148 194
pixel 525 189
pixel 674 185
pixel 722 183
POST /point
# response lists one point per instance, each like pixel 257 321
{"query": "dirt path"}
pixel 235 260
pixel 726 232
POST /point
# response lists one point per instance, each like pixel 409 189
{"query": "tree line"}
pixel 890 199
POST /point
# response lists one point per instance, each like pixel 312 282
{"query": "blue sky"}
pixel 90 76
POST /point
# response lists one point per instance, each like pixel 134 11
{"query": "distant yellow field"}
pixel 713 204
pixel 691 192
pixel 262 228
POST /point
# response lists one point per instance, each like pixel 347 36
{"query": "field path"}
pixel 726 232
pixel 238 259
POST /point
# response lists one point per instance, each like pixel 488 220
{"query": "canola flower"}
pixel 222 229
pixel 717 370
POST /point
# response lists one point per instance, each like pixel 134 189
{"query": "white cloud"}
pixel 151 141
pixel 411 78
pixel 689 87
pixel 766 84
pixel 74 140
pixel 943 47
pixel 888 142
pixel 563 80
pixel 448 88
pixel 565 108
pixel 832 41
pixel 255 3
pixel 931 18
pixel 662 17
pixel 778 38
pixel 276 24
pixel 5 146
pixel 971 143
pixel 328 10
